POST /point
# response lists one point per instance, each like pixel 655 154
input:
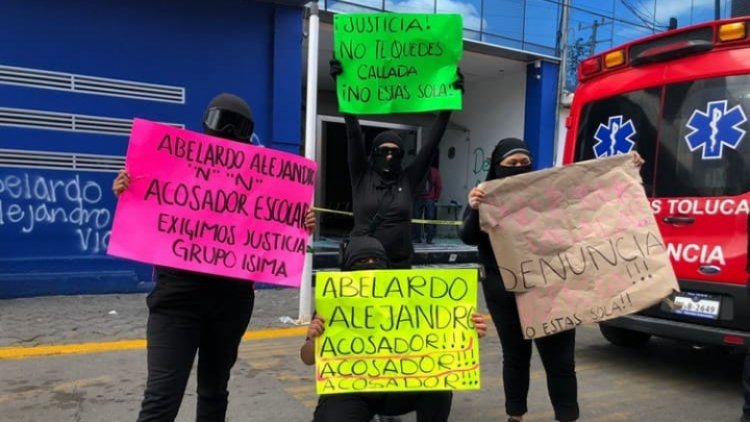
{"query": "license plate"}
pixel 698 305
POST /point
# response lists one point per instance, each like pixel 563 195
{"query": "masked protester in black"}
pixel 383 192
pixel 193 313
pixel 511 157
pixel 367 253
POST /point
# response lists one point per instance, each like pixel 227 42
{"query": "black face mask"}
pixel 383 165
pixel 361 266
pixel 507 171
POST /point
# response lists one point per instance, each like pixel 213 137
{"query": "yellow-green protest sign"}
pixel 397 63
pixel 397 330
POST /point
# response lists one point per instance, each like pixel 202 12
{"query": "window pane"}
pixel 353 6
pixel 703 11
pixel 542 22
pixel 600 7
pixel 635 19
pixel 686 12
pixel 541 49
pixel 681 10
pixel 726 9
pixel 472 35
pixel 591 22
pixel 702 147
pixel 470 9
pixel 410 6
pixel 504 20
pixel 586 30
pixel 619 124
pixel 503 41
pixel 624 32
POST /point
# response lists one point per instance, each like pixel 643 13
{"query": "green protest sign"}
pixel 397 330
pixel 397 63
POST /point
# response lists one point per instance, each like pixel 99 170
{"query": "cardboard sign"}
pixel 206 204
pixel 404 330
pixel 579 244
pixel 397 63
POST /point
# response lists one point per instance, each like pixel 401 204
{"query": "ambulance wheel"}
pixel 623 337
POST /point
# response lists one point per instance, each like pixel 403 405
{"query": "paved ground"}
pixel 665 381
pixel 75 319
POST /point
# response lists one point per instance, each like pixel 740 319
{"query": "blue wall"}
pixel 248 48
pixel 541 112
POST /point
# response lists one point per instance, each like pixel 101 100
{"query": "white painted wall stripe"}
pixel 16 158
pixel 85 84
pixel 67 122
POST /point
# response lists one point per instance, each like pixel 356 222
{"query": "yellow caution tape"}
pixel 326 210
pixel 414 221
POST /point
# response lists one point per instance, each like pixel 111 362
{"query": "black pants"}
pixel 361 407
pixel 206 317
pixel 557 353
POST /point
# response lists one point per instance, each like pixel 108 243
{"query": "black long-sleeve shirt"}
pixel 471 233
pixel 369 190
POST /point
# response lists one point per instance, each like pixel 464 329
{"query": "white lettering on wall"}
pixel 28 202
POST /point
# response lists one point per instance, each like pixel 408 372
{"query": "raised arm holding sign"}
pixel 398 63
pixel 383 192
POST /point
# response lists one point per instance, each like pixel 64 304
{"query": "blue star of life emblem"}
pixel 715 128
pixel 614 138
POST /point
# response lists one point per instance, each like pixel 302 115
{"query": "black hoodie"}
pixel 396 190
pixel 364 247
pixel 471 231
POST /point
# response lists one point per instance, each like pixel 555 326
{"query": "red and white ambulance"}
pixel 682 100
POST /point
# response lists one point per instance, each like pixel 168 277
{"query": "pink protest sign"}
pixel 210 205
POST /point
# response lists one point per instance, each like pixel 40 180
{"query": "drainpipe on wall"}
pixel 562 73
pixel 311 113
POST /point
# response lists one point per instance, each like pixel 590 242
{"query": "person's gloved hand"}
pixel 459 82
pixel 335 68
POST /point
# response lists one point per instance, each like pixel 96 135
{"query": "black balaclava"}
pixel 505 148
pixel 228 116
pixel 361 248
pixel 379 162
